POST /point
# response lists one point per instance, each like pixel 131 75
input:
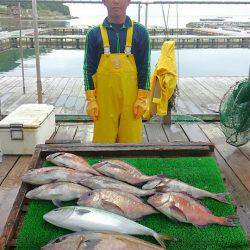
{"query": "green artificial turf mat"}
pixel 201 172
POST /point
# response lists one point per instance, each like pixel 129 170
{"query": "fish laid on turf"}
pixel 104 182
pixel 77 218
pixel 47 175
pixel 57 192
pixel 118 202
pixel 99 241
pixel 183 208
pixel 71 161
pixel 165 184
pixel 122 171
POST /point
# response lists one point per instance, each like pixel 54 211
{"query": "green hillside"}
pixel 44 7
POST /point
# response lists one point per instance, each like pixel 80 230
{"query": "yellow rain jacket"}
pixel 163 81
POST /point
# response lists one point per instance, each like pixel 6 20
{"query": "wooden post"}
pixel 21 43
pixel 139 12
pixel 146 15
pixel 38 71
pixel 166 119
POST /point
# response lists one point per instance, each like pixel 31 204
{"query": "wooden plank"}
pixel 233 156
pixel 193 132
pixel 155 132
pixel 65 132
pixel 9 191
pixel 7 198
pixel 175 132
pixel 198 96
pixel 12 220
pixel 64 96
pixel 58 85
pixel 71 101
pixel 85 133
pixel 14 177
pixel 245 149
pixel 144 134
pixel 6 165
pixel 238 191
pixel 120 149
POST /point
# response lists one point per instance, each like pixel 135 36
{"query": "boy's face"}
pixel 116 7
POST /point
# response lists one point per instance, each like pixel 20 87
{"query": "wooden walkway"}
pixel 233 162
pixel 197 95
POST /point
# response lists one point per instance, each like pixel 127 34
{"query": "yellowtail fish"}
pixel 78 218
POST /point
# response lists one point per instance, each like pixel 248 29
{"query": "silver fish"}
pixel 71 161
pixel 167 185
pixel 57 192
pixel 47 175
pixel 183 208
pixel 122 171
pixel 99 241
pixel 103 182
pixel 118 202
pixel 85 218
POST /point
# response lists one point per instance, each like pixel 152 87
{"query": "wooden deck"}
pixel 197 95
pixel 233 162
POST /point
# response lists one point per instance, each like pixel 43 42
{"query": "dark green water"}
pixel 192 62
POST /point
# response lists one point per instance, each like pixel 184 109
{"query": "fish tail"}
pixel 230 221
pixel 161 238
pixel 221 197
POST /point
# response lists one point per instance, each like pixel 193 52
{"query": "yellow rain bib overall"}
pixel 116 92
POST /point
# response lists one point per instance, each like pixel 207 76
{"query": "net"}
pixel 235 113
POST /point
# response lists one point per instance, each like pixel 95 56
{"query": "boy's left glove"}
pixel 92 106
pixel 141 103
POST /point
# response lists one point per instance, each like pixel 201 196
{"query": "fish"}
pixel 57 192
pixel 78 218
pixel 71 161
pixel 183 208
pixel 104 182
pixel 47 175
pixel 99 241
pixel 118 202
pixel 165 184
pixel 122 171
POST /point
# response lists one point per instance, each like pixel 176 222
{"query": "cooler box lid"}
pixel 29 115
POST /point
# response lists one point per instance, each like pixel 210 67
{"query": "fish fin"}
pixel 230 221
pixel 176 209
pixel 162 237
pixel 160 176
pixel 111 206
pixel 221 197
pixel 161 189
pixel 57 202
pixel 90 243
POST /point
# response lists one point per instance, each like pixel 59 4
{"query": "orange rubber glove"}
pixel 141 102
pixel 92 106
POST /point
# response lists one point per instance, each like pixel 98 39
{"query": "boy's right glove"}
pixel 92 106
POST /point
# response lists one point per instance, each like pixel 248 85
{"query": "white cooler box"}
pixel 27 126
